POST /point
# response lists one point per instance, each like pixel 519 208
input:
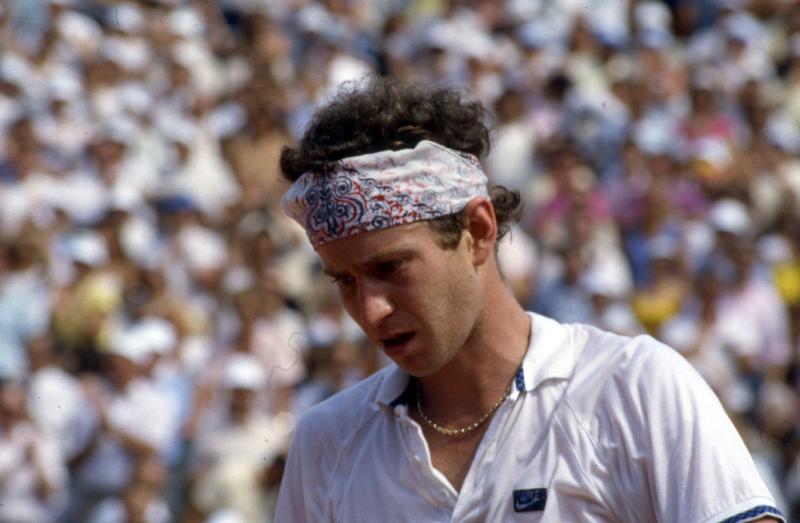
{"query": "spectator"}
pixel 136 421
pixel 232 459
pixel 33 474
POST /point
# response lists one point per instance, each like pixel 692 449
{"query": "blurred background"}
pixel 163 325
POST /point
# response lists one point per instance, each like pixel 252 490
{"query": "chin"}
pixel 415 366
pixel 421 367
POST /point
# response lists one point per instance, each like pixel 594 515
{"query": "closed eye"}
pixel 337 277
pixel 382 270
pixel 387 268
pixel 341 279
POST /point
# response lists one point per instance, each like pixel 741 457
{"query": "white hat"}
pixel 127 344
pixel 743 27
pixel 518 255
pixel 536 34
pixel 783 132
pixel 653 16
pixel 186 22
pixel 654 134
pixel 609 27
pixel 202 248
pixel 89 248
pixel 126 17
pixel 139 240
pixel 79 30
pixel 344 67
pixel 157 335
pixel 775 249
pixel 136 96
pixel 122 129
pixel 315 19
pixel 731 216
pixel 177 128
pixel 713 151
pixel 15 69
pixel 125 197
pixel 64 86
pixel 605 280
pixel 238 279
pixel 132 54
pixel 243 371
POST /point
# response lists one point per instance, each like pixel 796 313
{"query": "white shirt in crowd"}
pixel 57 405
pixel 29 457
pixel 142 412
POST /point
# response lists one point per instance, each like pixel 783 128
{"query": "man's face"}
pixel 417 301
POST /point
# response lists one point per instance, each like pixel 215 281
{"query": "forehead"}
pixel 375 246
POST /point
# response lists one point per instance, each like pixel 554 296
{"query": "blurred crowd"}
pixel 163 325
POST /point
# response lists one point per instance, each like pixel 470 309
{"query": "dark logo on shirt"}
pixel 530 500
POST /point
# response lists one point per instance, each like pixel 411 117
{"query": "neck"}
pixel 485 365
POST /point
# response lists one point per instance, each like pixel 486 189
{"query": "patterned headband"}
pixel 384 189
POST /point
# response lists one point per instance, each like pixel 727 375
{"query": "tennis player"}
pixel 489 412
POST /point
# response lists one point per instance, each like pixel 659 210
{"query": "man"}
pixel 490 413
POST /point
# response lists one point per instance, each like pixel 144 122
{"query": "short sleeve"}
pixel 303 491
pixel 682 450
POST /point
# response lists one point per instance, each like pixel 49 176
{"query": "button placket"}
pixel 436 482
pixel 483 461
pixel 416 449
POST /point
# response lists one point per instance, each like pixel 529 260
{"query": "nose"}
pixel 374 303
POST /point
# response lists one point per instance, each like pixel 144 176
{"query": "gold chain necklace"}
pixel 447 431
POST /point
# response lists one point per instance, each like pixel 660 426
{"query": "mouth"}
pixel 396 344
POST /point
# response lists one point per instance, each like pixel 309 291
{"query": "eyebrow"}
pixel 380 257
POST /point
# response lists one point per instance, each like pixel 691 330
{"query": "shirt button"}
pixel 444 495
pixel 417 458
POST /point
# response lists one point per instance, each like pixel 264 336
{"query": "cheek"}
pixel 450 293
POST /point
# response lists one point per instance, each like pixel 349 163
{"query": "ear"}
pixel 481 224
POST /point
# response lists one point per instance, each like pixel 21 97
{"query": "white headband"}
pixel 384 189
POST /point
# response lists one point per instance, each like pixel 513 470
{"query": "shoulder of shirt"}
pixel 609 362
pixel 619 381
pixel 333 421
pixel 634 397
pixel 320 439
pixel 624 352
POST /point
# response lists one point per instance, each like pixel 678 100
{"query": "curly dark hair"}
pixel 382 113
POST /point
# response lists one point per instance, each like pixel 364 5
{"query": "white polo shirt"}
pixel 598 428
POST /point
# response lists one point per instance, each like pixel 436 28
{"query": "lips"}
pixel 397 343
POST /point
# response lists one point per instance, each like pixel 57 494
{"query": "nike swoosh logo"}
pixel 523 505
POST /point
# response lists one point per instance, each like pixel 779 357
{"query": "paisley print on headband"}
pixel 384 189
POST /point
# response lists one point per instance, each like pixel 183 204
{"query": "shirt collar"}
pixel 392 390
pixel 551 354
